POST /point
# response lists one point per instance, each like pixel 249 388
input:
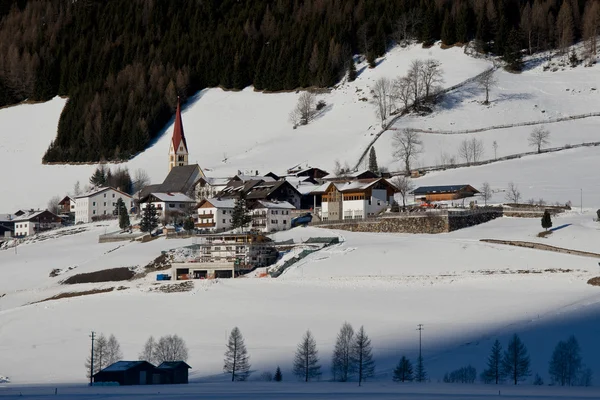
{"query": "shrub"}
pixel 466 374
pixel 321 105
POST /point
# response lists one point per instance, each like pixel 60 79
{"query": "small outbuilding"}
pixel 442 193
pixel 176 372
pixel 132 373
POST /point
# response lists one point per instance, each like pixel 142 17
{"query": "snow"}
pixel 177 197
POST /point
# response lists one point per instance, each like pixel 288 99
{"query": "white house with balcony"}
pixel 166 203
pixel 215 214
pixel 99 204
pixel 358 199
pixel 271 216
pixel 36 221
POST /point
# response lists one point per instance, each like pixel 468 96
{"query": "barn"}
pixel 442 193
pixel 132 373
pixel 175 371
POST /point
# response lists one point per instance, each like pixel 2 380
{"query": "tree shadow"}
pixel 319 114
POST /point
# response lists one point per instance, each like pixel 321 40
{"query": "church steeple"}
pixel 178 150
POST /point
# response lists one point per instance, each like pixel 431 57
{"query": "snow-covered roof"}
pixel 219 203
pixel 100 190
pixel 274 204
pixel 176 197
pixel 29 215
pixel 5 217
pixel 122 366
pixel 216 181
pixel 245 178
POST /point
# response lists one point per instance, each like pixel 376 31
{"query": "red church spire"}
pixel 178 135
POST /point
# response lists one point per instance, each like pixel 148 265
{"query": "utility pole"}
pixel 420 375
pixel 92 360
pixel 581 202
pixel 420 329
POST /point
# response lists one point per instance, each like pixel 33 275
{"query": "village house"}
pixel 208 187
pixel 225 256
pixel 215 214
pixel 35 222
pixel 358 199
pixel 358 175
pixel 7 224
pixel 99 204
pixel 271 216
pixel 443 193
pixel 66 206
pixel 261 188
pixel 169 204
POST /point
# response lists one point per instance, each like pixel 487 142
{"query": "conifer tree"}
pixel 362 356
pixel 188 224
pixel 237 362
pixel 403 371
pixel 342 366
pixel 546 220
pixel 351 70
pixel 565 364
pixel 515 363
pixel 149 220
pixel 306 361
pixel 494 372
pixel 122 213
pixel 373 167
pixel 240 216
pixel 420 373
pixel 448 28
pixel 99 176
pixel 278 376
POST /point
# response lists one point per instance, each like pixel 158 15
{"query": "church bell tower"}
pixel 178 150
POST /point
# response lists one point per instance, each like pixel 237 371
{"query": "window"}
pixel 171 205
pixel 104 212
pixel 104 204
pixel 224 220
pixel 180 148
pixel 171 158
pixel 181 205
pixel 94 204
pixel 94 212
pixel 181 164
pixel 284 222
pixel 273 221
pixel 114 204
pixel 181 158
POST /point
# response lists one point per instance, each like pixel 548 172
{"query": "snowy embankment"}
pixel 467 294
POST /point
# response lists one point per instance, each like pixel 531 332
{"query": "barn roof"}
pixel 123 366
pixel 173 365
pixel 443 189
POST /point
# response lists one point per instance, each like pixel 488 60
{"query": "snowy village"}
pixel 415 220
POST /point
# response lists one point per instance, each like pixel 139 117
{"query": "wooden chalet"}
pixel 443 193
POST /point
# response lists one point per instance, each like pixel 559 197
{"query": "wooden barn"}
pixel 175 371
pixel 443 193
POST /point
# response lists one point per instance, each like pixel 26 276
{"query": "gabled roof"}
pixel 352 186
pixel 218 203
pixel 120 366
pixel 443 189
pixel 175 197
pixel 281 205
pixel 32 215
pixel 365 174
pixel 67 198
pixel 100 190
pixel 178 135
pixel 7 217
pixel 173 365
pixel 180 179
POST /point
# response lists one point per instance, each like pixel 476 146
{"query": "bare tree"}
pixel 53 206
pixel 407 147
pixel 591 28
pixel 141 179
pixel 171 348
pixel 77 189
pixel 305 110
pixel 486 192
pixel 512 193
pixel 362 355
pixel 539 137
pixel 100 356
pixel 236 357
pixel 415 81
pixel 113 350
pixel 403 92
pixel 404 185
pixel 565 26
pixel 476 147
pixel 341 362
pixel 382 98
pixel 487 81
pixel 431 74
pixel 306 361
pixel 464 151
pixel 149 353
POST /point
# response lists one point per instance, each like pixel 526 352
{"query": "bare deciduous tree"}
pixel 306 362
pixel 149 354
pixel 236 362
pixel 487 81
pixel 113 350
pixel 403 92
pixel 77 189
pixel 591 29
pixel 539 137
pixel 170 348
pixel 486 192
pixel 512 193
pixel 100 356
pixel 53 206
pixel 382 98
pixel 471 150
pixel 341 362
pixel 407 147
pixel 141 179
pixel 305 109
pixel 404 185
pixel 431 76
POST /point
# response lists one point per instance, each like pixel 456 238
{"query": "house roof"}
pixel 180 179
pixel 7 217
pixel 246 178
pixel 100 190
pixel 176 197
pixel 364 174
pixel 67 198
pixel 173 364
pixel 218 203
pixel 443 189
pixel 284 205
pixel 354 185
pixel 32 215
pixel 178 135
pixel 123 366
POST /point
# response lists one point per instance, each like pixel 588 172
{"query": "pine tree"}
pixel 373 167
pixel 99 176
pixel 240 216
pixel 188 224
pixel 306 361
pixel 352 74
pixel 149 220
pixel 494 372
pixel 362 356
pixel 546 220
pixel 236 357
pixel 341 362
pixel 515 362
pixel 448 35
pixel 420 373
pixel 512 52
pixel 403 371
pixel 122 213
pixel 278 377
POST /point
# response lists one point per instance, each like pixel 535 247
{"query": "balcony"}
pixel 206 216
pixel 205 225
